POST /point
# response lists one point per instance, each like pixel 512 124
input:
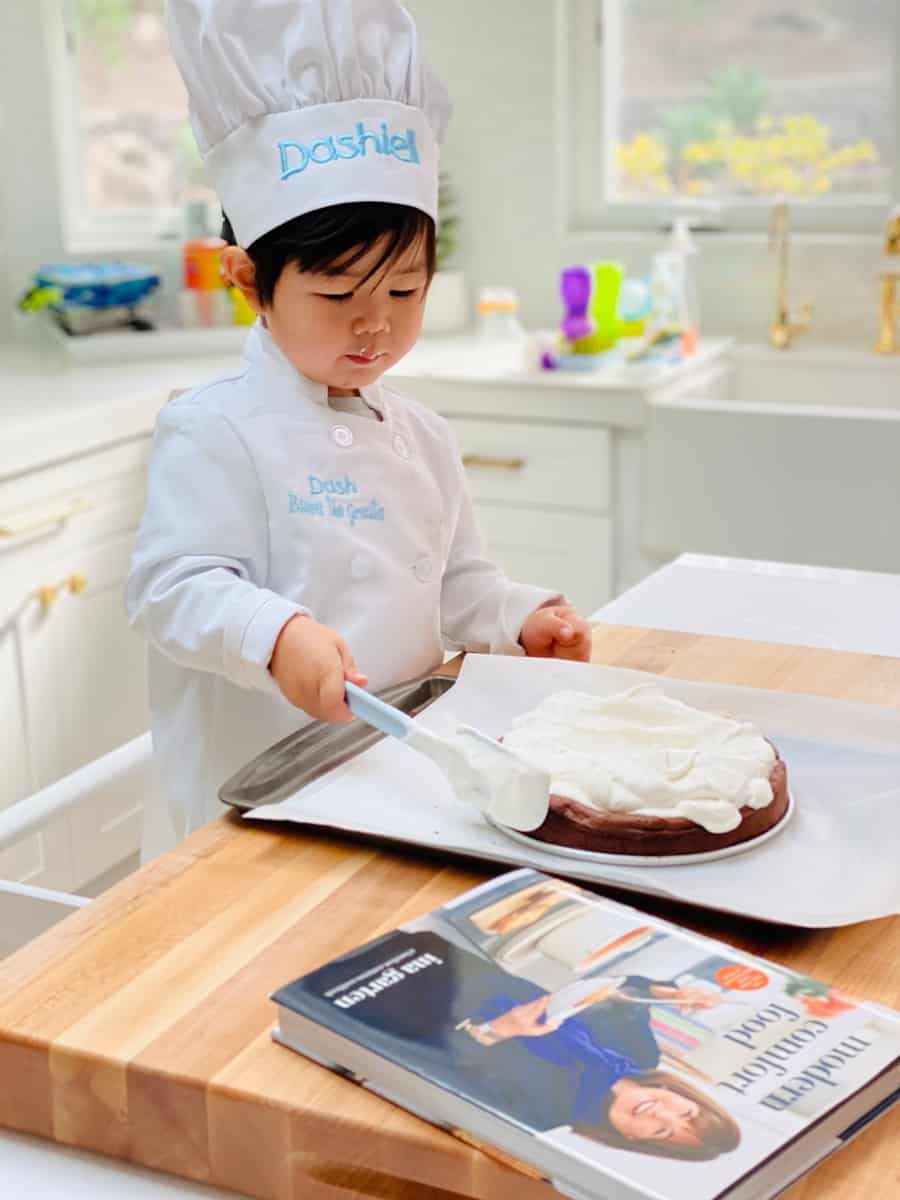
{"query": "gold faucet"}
pixel 888 309
pixel 784 327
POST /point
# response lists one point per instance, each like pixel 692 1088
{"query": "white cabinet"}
pixel 543 495
pixel 538 465
pixel 97 698
pixel 556 462
pixel 13 726
pixel 72 674
pixel 568 553
pixel 42 860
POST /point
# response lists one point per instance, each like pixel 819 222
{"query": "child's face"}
pixel 346 330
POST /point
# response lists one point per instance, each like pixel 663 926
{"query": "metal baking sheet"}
pixel 321 746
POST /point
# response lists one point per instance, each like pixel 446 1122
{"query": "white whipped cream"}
pixel 643 752
pixel 486 773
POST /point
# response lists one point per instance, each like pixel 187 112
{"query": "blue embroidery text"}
pixel 296 156
pixel 333 498
pixel 332 487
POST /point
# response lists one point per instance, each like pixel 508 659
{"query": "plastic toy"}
pixel 575 290
pixel 595 317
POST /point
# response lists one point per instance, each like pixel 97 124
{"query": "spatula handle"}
pixel 375 712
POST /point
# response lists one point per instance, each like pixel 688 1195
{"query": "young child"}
pixel 305 523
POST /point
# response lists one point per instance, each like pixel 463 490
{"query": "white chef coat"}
pixel 263 502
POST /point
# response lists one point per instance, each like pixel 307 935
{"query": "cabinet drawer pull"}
pixel 48 594
pixel 493 463
pixel 32 522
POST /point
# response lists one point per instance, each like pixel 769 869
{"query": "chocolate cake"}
pixel 570 823
pixel 642 773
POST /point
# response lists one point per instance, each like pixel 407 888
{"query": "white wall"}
pixel 30 229
pixel 497 57
pixel 31 217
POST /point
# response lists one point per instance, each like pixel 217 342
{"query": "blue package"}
pixel 99 285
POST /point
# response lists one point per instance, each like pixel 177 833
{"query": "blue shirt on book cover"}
pixel 560 1078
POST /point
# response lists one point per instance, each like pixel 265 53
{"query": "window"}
pixel 714 108
pixel 132 162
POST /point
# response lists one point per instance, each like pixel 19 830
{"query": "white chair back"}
pixel 26 911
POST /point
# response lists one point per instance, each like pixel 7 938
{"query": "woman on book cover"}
pixel 483 1032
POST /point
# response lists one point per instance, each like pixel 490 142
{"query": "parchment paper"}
pixel 836 862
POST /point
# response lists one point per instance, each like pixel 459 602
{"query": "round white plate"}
pixel 649 860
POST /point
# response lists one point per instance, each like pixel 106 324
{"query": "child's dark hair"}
pixel 331 239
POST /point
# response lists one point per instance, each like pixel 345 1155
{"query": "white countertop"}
pixel 764 601
pixel 466 359
pixel 52 407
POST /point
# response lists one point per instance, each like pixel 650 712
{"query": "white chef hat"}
pixel 301 104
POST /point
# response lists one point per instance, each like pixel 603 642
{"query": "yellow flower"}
pixel 866 151
pixel 793 154
pixel 642 162
pixel 699 152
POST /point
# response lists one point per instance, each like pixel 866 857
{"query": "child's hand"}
pixel 310 663
pixel 557 632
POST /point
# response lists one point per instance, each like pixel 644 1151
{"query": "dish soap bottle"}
pixel 675 299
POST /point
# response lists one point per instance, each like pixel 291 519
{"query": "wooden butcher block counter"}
pixel 139 1027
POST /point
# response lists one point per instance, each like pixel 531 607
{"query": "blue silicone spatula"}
pixel 480 769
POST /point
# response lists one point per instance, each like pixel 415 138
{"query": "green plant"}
pixel 685 124
pixel 102 23
pixel 738 96
pixel 447 222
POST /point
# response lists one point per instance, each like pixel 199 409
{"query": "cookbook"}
pixel 616 1055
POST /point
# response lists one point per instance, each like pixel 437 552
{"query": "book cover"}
pixel 582 1032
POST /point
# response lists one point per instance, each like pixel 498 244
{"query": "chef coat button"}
pixel 342 435
pixel 401 446
pixel 423 569
pixel 360 566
